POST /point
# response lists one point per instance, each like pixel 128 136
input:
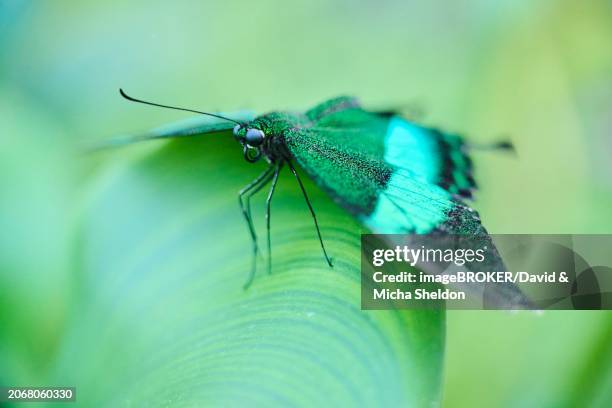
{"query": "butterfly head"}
pixel 251 139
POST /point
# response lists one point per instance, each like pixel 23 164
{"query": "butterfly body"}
pixel 395 176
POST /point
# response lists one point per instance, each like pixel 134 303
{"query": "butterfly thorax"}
pixel 265 135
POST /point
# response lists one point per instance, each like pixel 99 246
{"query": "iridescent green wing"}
pixel 439 157
pixel 363 161
pixel 195 126
pixel 391 184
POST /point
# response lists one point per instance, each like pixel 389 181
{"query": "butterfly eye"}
pixel 254 137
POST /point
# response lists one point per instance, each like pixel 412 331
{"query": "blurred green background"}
pixel 100 256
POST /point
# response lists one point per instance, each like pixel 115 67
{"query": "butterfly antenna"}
pixel 129 98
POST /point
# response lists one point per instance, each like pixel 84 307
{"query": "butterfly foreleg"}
pixel 312 213
pixel 246 193
pixel 256 189
pixel 277 169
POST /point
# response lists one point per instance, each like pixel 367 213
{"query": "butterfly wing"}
pixel 195 126
pixel 439 157
pixel 396 177
pixel 388 172
pixel 386 198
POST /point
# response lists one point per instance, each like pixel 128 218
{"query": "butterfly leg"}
pixel 255 190
pixel 277 170
pixel 247 191
pixel 314 217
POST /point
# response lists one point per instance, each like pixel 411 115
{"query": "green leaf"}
pixel 162 320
